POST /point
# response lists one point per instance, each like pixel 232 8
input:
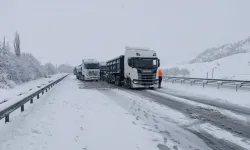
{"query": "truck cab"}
pixel 140 67
pixel 90 69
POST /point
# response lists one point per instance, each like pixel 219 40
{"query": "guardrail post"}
pixel 42 92
pixel 236 88
pixel 203 84
pixel 22 108
pixel 31 100
pixel 7 118
pixel 37 96
pixel 46 90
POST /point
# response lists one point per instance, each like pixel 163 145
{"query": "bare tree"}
pixel 16 43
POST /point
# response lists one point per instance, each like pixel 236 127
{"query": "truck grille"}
pixel 93 73
pixel 147 76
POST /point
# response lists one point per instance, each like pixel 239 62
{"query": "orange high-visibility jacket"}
pixel 160 74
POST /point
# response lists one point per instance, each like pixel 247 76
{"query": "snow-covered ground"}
pixel 233 67
pixel 81 119
pixel 157 118
pixel 96 115
pixel 26 88
pixel 222 95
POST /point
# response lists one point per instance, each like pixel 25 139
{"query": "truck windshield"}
pixel 92 66
pixel 147 63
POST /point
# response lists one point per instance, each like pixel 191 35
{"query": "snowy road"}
pixel 96 115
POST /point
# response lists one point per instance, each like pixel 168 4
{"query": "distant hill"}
pixel 232 67
pixel 216 53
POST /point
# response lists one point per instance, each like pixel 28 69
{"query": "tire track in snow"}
pixel 207 101
pixel 156 124
pixel 205 115
pixel 194 112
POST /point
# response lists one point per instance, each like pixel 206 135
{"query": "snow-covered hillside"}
pixel 212 54
pixel 233 67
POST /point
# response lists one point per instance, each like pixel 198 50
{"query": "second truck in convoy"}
pixel 88 70
pixel 137 68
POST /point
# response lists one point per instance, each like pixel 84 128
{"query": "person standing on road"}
pixel 160 74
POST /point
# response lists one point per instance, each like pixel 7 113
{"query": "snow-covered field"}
pixel 233 67
pixel 26 88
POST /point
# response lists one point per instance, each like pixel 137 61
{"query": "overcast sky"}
pixel 66 31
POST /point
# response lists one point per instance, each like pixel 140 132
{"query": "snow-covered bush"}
pixel 5 83
pixel 16 70
pixel 50 69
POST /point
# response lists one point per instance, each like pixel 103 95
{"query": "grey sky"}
pixel 65 31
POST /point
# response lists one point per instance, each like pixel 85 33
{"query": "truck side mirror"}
pixel 158 62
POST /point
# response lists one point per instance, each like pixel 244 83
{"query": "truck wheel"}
pixel 129 84
pixel 108 79
pixel 118 81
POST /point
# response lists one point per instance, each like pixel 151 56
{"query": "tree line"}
pixel 17 67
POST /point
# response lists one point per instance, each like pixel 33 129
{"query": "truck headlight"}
pixel 136 81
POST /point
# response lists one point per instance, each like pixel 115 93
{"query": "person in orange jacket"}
pixel 160 74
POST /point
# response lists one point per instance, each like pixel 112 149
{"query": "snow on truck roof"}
pixel 90 61
pixel 103 63
pixel 137 48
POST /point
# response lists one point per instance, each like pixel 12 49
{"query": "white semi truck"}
pixel 88 70
pixel 137 68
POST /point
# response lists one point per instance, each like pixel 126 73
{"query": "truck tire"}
pixel 128 83
pixel 108 79
pixel 113 79
pixel 118 81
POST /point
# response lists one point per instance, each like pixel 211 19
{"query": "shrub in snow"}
pixel 16 70
pixel 50 69
pixel 5 83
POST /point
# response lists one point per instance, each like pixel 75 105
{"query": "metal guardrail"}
pixel 219 82
pixel 5 113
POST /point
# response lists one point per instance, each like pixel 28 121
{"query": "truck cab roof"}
pixel 140 52
pixel 90 61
